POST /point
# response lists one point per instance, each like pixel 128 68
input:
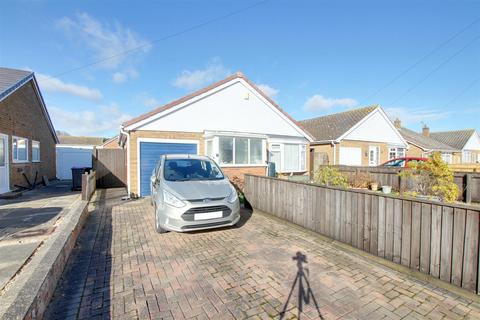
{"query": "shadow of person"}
pixel 305 292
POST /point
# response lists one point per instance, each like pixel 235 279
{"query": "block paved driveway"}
pixel 120 268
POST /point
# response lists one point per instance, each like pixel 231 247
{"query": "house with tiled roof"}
pixel 422 145
pixel 358 137
pixel 27 136
pixel 467 141
pixel 232 121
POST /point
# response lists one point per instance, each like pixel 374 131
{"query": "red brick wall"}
pixel 21 115
pixel 237 174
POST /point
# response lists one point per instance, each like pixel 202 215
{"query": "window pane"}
pixel 392 153
pixel 210 148
pixel 302 158
pixel 241 150
pixel 22 149
pixel 2 152
pixel 291 157
pixel 226 150
pixel 275 158
pixel 15 149
pixel 255 151
pixel 400 152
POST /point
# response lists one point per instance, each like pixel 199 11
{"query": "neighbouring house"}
pixel 467 141
pixel 232 121
pixel 111 143
pixel 358 137
pixel 27 136
pixel 422 145
pixel 73 151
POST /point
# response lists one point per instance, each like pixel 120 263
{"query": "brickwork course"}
pixel 122 269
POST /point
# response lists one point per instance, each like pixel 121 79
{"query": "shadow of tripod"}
pixel 304 293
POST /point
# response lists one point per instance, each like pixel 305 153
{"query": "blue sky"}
pixel 312 57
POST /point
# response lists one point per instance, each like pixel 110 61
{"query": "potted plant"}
pixel 387 189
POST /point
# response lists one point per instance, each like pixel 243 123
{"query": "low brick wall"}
pixel 33 288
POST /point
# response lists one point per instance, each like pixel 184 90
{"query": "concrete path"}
pixel 265 268
pixel 26 221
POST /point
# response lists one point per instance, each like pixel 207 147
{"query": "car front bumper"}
pixel 182 219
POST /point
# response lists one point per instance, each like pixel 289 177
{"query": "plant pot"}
pixel 387 189
pixel 374 186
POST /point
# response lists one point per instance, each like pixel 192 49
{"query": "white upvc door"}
pixel 4 183
pixel 373 155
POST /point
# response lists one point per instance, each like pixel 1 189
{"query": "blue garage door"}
pixel 150 153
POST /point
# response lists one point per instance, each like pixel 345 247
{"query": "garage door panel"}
pixel 350 156
pixel 150 153
pixel 67 158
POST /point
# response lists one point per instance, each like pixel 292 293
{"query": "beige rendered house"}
pixel 232 121
pixel 358 137
pixel 27 136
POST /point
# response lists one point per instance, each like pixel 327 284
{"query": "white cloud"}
pixel 195 79
pixel 269 91
pixel 319 102
pixel 112 44
pixel 415 116
pixel 51 84
pixel 105 120
pixel 121 77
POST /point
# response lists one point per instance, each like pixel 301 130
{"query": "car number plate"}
pixel 208 215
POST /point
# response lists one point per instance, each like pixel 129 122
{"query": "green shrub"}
pixel 330 176
pixel 433 178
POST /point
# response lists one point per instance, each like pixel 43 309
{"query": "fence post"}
pixel 84 186
pixel 468 188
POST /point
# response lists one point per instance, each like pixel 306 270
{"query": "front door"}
pixel 373 153
pixel 4 187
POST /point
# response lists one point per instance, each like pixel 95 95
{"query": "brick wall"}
pixel 21 115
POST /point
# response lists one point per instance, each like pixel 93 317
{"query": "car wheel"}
pixel 158 228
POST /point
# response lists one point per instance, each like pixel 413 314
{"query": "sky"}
pixel 100 63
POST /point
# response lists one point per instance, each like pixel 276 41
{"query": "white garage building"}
pixel 74 151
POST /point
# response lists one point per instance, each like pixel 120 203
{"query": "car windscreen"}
pixel 395 163
pixel 191 170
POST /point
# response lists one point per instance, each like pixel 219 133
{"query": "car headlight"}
pixel 233 196
pixel 170 199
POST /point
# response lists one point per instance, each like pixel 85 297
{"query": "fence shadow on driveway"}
pixel 305 292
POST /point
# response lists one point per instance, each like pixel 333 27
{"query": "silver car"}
pixel 190 192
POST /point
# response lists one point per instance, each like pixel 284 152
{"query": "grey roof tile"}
pixel 9 78
pixel 333 126
pixel 426 143
pixel 457 138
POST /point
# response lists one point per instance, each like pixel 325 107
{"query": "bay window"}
pixel 240 151
pixel 288 157
pixel 19 149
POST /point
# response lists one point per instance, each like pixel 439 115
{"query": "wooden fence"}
pixel 435 238
pixel 111 168
pixel 89 184
pixel 468 183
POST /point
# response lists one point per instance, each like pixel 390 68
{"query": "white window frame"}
pixel 302 148
pixel 216 148
pixel 15 156
pixel 396 151
pixel 447 157
pixel 467 156
pixel 39 155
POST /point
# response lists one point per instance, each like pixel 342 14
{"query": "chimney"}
pixel 426 131
pixel 397 123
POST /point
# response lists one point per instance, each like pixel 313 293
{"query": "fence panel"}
pixel 435 238
pixel 110 166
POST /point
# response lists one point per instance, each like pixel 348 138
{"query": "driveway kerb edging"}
pixel 33 287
